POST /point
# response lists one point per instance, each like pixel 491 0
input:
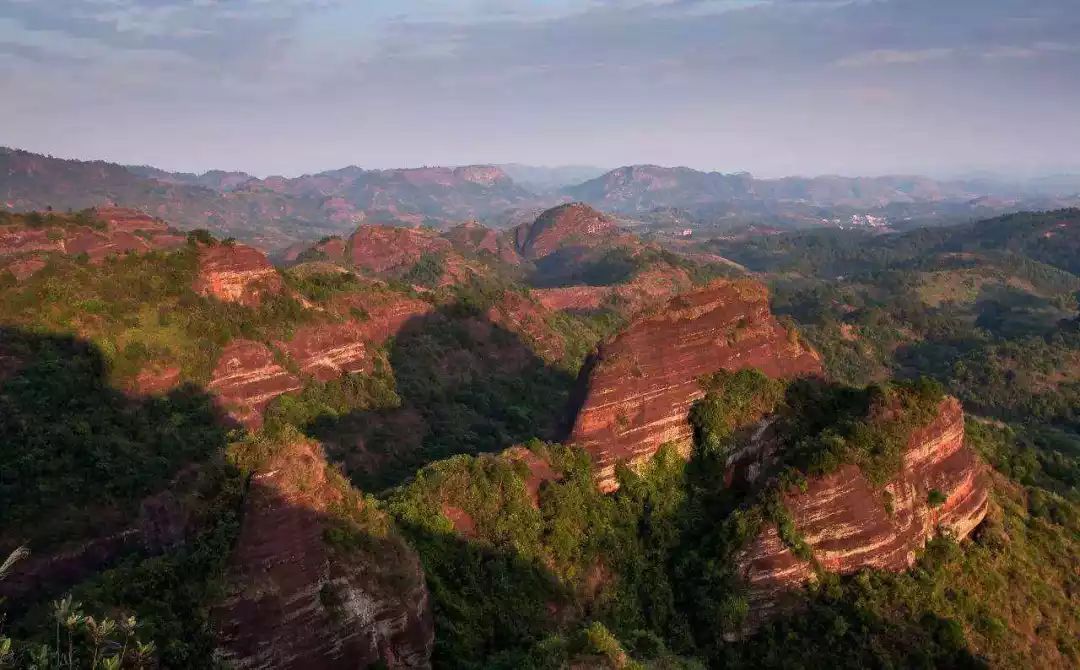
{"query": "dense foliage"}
pixel 527 563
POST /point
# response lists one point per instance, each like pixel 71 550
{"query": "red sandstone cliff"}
pixel 301 601
pixel 328 350
pixel 636 391
pixel 849 525
pixel 236 273
pixel 246 378
pixel 393 251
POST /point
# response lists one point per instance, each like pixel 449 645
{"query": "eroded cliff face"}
pixel 246 378
pixel 849 524
pixel 635 393
pixel 328 350
pixel 236 273
pixel 319 579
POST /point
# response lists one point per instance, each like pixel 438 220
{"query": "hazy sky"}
pixel 770 86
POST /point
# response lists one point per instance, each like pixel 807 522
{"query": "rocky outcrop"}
pixel 246 378
pixel 236 273
pixel 327 351
pixel 575 223
pixel 383 248
pixel 635 393
pixel 319 579
pixel 850 524
pixel 472 237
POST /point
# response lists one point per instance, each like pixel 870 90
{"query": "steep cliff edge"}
pixel 236 273
pixel 635 392
pixel 320 578
pixel 847 523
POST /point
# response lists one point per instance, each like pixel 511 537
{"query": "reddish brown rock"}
pixel 477 239
pixel 645 290
pixel 123 219
pixel 246 378
pixel 328 350
pixel 24 268
pixel 236 273
pixel 124 231
pixel 18 239
pixel 386 311
pixel 538 468
pixel 575 223
pixel 383 248
pixel 335 248
pixel 636 391
pixel 298 602
pixel 849 525
pixel 574 298
pixel 157 379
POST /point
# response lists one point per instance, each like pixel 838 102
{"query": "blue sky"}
pixel 771 86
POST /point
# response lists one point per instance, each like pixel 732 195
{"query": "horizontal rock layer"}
pixel 246 378
pixel 850 525
pixel 635 393
pixel 236 273
pixel 296 602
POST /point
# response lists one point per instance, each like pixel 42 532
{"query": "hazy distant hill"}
pixel 219 180
pixel 273 212
pixel 279 212
pixel 739 198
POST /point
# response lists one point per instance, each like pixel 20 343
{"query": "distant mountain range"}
pixel 271 213
pixel 278 212
pixel 674 196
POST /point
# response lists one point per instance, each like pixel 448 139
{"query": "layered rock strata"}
pixel 300 601
pixel 124 231
pixel 849 524
pixel 246 378
pixel 635 393
pixel 236 273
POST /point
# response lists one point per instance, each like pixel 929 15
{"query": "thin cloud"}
pixel 885 57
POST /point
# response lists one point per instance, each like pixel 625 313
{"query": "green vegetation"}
pixel 617 265
pixel 76 451
pixel 427 271
pixel 50 219
pixel 527 563
pixel 141 309
pixel 320 287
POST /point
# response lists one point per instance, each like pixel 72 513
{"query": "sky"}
pixel 773 87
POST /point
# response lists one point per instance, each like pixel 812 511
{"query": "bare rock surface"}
pixel 635 393
pixel 300 602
